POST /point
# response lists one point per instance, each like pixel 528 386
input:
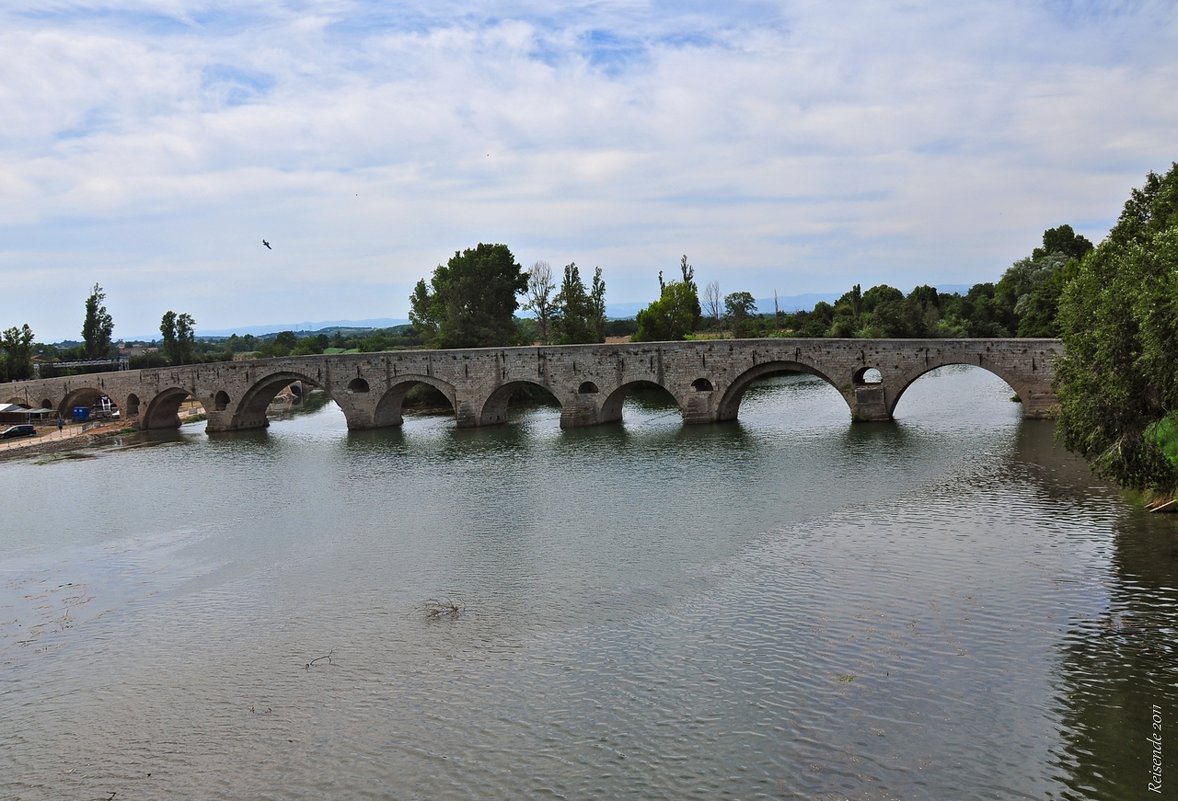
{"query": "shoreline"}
pixel 72 437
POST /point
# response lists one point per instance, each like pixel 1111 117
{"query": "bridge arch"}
pixel 867 376
pixel 909 378
pixel 389 411
pixel 163 410
pixel 494 410
pixel 611 407
pixel 82 396
pixel 250 411
pixel 729 403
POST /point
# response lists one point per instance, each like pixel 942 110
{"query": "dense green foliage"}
pixel 98 326
pixel 179 339
pixel 676 314
pixel 1022 303
pixel 16 353
pixel 578 314
pixel 471 300
pixel 1118 382
pixel 738 307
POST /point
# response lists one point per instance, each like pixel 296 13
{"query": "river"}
pixel 788 606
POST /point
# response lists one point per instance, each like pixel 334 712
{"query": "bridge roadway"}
pixel 707 378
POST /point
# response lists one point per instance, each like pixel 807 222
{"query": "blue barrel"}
pixel 81 414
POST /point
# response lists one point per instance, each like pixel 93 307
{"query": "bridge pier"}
pixel 870 404
pixel 581 412
pixel 467 414
pixel 700 409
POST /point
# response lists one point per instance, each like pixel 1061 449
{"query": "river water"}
pixel 789 606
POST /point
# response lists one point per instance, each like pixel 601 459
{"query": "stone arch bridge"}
pixel 706 378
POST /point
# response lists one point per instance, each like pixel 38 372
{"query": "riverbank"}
pixel 72 437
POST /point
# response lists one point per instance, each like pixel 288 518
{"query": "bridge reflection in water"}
pixel 707 379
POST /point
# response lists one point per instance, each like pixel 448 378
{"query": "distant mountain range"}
pixel 616 311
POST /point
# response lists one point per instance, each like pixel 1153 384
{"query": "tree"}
pixel 688 273
pixel 1063 240
pixel 168 335
pixel 847 310
pixel 17 346
pixel 425 313
pixel 1118 379
pixel 179 338
pixel 597 306
pixel 671 317
pixel 98 327
pixel 980 314
pixel 738 308
pixel 283 343
pixel 1026 298
pixel 922 311
pixel 713 303
pixel 817 322
pixel 471 300
pixel 1037 310
pixel 572 312
pixel 883 313
pixel 578 315
pixel 310 345
pixel 539 296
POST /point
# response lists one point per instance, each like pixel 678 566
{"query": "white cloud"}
pixel 797 146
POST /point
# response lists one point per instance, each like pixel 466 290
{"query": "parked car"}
pixel 23 430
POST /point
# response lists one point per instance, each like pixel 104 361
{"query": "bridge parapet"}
pixel 706 378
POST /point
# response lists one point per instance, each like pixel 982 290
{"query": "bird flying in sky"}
pixel 267 244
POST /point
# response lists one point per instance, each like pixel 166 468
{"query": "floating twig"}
pixel 326 656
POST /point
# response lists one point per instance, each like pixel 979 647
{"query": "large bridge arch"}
pixel 87 396
pixel 163 410
pixel 729 404
pixel 250 411
pixel 1021 389
pixel 389 411
pixel 611 407
pixel 494 407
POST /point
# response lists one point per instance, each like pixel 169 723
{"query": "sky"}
pixel 149 146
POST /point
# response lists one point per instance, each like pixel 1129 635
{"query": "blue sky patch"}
pixel 234 86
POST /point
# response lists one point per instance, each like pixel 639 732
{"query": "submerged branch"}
pixel 326 656
pixel 436 610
